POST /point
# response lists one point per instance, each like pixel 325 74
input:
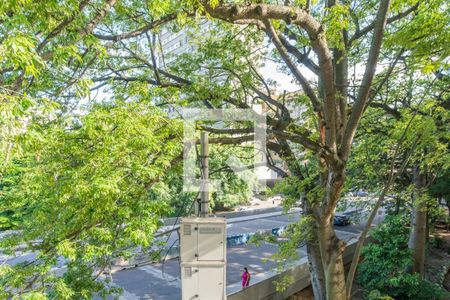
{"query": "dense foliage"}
pixel 386 262
pixel 87 183
pixel 92 190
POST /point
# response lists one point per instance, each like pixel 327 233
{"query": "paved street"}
pixel 161 281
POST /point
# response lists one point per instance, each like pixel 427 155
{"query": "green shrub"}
pixel 385 263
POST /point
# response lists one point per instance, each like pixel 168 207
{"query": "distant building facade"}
pixel 173 44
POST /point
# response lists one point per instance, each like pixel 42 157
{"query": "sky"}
pixel 284 81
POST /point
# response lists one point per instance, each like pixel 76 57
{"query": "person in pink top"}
pixel 245 278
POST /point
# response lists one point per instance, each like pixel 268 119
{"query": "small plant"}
pixel 283 283
pixel 437 242
pixel 376 295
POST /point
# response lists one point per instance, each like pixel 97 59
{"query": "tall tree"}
pixel 336 126
pixel 409 109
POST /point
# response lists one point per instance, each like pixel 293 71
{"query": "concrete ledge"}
pixel 234 214
pixel 263 286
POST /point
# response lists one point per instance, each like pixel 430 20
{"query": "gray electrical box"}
pixel 203 258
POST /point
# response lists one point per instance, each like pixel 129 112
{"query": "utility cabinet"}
pixel 203 258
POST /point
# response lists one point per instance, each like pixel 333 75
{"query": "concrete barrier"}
pixel 263 285
pixel 233 214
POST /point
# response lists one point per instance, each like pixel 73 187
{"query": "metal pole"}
pixel 204 152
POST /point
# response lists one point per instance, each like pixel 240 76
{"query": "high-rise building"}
pixel 173 44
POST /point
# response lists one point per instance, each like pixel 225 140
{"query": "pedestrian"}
pixel 245 278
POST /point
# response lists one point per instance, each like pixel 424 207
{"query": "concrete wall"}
pixel 234 214
pixel 263 287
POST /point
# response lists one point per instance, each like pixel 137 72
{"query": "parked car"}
pixel 341 220
pixel 362 193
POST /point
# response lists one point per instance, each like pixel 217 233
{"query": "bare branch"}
pixel 295 71
pixel 360 33
pixel 231 140
pixel 151 43
pixel 227 130
pixel 301 58
pixel 393 112
pixel 374 92
pixel 179 80
pixel 297 138
pixel 120 77
pixel 137 32
pixel 293 137
pixel 285 115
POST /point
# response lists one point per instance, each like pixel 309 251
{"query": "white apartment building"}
pixel 173 44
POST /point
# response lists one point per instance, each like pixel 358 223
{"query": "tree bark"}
pixel 417 238
pixel 316 269
pixel 331 249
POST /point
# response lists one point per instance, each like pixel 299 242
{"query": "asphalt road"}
pixel 161 281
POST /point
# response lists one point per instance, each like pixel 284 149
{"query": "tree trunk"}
pixel 417 238
pixel 331 250
pixel 427 231
pixel 316 269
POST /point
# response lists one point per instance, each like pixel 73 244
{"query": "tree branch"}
pixel 137 32
pixel 374 92
pixel 98 17
pixel 295 71
pixel 360 33
pixel 61 26
pixel 293 137
pixel 231 131
pixel 366 83
pixel 230 140
pixel 386 108
pixel 120 77
pixel 391 178
pixel 249 13
pixel 297 138
pixel 89 27
pixel 301 58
